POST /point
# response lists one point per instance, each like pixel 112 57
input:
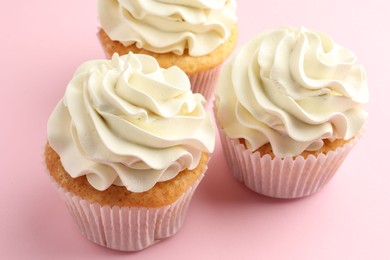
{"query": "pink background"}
pixel 42 43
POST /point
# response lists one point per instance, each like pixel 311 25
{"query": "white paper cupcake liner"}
pixel 128 228
pixel 282 178
pixel 205 82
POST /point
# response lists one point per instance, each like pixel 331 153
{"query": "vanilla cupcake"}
pixel 127 146
pixel 197 35
pixel 290 107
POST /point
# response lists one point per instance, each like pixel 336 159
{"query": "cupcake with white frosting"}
pixel 290 107
pixel 197 36
pixel 127 146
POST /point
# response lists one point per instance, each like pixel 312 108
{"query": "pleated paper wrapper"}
pixel 205 82
pixel 128 228
pixel 282 178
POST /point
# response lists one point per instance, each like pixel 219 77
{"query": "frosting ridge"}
pixel 165 26
pixel 126 121
pixel 292 88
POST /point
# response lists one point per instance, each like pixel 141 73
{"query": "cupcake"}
pixel 127 146
pixel 197 36
pixel 289 106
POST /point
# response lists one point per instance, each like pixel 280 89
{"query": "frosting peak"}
pixel 165 26
pixel 129 122
pixel 292 88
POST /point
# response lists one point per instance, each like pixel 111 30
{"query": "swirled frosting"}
pixel 165 26
pixel 128 122
pixel 292 88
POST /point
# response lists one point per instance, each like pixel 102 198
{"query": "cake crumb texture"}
pixel 162 194
pixel 327 147
pixel 189 64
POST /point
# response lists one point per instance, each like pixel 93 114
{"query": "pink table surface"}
pixel 42 43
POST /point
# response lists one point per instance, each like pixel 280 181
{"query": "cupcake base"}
pixel 122 220
pixel 288 178
pixel 128 228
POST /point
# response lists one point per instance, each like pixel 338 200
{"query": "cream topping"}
pixel 165 26
pixel 126 121
pixel 292 88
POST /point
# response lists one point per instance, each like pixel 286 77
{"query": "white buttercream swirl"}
pixel 126 121
pixel 165 26
pixel 292 88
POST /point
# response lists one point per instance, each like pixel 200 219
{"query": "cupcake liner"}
pixel 128 228
pixel 282 177
pixel 205 82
